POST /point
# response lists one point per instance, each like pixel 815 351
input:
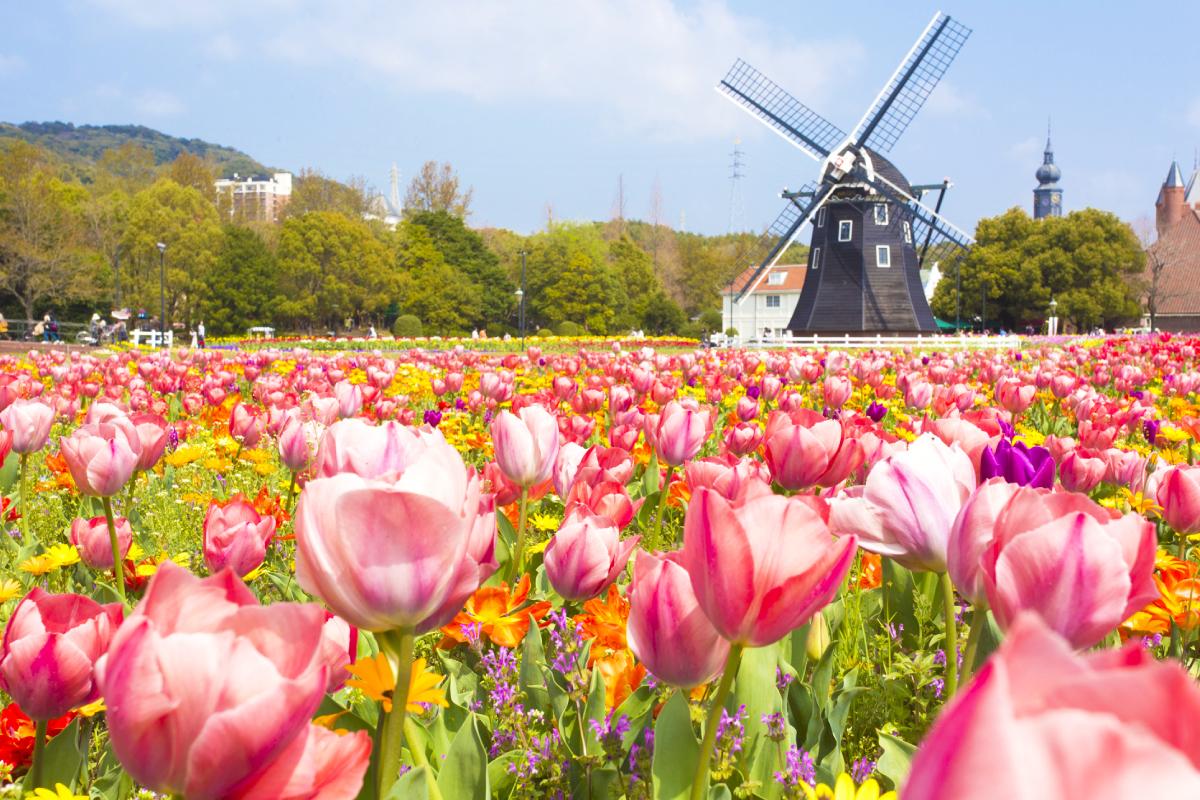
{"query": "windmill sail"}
pixel 911 84
pixel 783 231
pixel 786 115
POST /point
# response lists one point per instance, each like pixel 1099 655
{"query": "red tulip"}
pixel 761 566
pixel 1082 568
pixel 209 695
pixel 667 630
pixel 1106 725
pixel 586 555
pixel 90 537
pixel 51 645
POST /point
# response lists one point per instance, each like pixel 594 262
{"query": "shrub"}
pixel 543 333
pixel 568 328
pixel 407 326
pixel 731 332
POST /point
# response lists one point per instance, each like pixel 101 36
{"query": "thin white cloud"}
pixel 10 65
pixel 643 65
pixel 948 100
pixel 157 103
pixel 221 47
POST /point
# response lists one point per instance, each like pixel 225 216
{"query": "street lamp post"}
pixel 162 294
pixel 521 301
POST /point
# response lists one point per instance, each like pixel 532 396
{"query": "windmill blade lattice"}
pixel 912 83
pixel 783 230
pixel 790 118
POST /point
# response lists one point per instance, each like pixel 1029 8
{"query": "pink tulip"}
pixel 761 566
pixel 337 640
pixel 236 536
pixel 1079 472
pixel 209 695
pixel 667 630
pixel 526 444
pixel 1179 496
pixel 607 499
pixel 918 395
pixel 729 477
pixel 837 391
pixel 90 537
pixel 1080 567
pixel 246 424
pixel 298 442
pixel 747 409
pixel 804 449
pixel 355 445
pixel 967 435
pixel 909 503
pixel 743 439
pixel 586 555
pixel 349 397
pixel 677 432
pixel 51 645
pixel 971 534
pixel 101 457
pixel 152 434
pixel 1015 396
pixel 30 422
pixel 403 549
pixel 1112 724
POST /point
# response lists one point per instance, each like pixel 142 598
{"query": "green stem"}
pixel 518 559
pixel 700 781
pixel 118 566
pixel 292 495
pixel 655 541
pixel 948 612
pixel 24 499
pixel 129 494
pixel 398 645
pixel 39 753
pixel 978 623
pixel 419 759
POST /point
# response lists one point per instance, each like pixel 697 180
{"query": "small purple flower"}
pixel 862 769
pixel 939 658
pixel 1150 428
pixel 1018 463
pixel 432 417
pixel 937 686
pixel 925 361
pixel 876 411
pixel 776 726
pixel 783 679
pixel 800 769
pixel 753 392
pixel 460 404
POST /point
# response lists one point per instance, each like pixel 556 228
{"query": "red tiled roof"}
pixel 1179 283
pixel 792 282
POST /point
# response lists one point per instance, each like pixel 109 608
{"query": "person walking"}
pixel 200 333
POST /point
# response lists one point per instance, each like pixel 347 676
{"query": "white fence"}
pixel 879 341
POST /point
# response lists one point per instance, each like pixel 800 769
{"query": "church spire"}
pixel 1047 197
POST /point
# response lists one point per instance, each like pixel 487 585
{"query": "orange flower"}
pixel 678 494
pixel 498 614
pixel 373 677
pixel 870 571
pixel 271 505
pixel 622 675
pixel 57 464
pixel 1178 585
pixel 603 621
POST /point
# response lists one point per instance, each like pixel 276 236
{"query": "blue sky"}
pixel 544 104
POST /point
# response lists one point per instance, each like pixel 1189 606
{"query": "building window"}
pixel 773 301
pixel 881 215
pixel 907 233
pixel 821 217
pixel 776 278
pixel 883 256
pixel 816 259
pixel 845 230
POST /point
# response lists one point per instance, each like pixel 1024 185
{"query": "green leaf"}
pixel 896 758
pixel 651 478
pixel 111 780
pixel 64 756
pixel 594 710
pixel 9 472
pixel 413 785
pixel 991 639
pixel 464 773
pixel 532 677
pixel 676 750
pixel 499 776
pixel 898 605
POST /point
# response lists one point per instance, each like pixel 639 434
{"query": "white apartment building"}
pixel 254 198
pixel 767 310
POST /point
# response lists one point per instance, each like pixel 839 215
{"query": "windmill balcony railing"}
pixel 876 341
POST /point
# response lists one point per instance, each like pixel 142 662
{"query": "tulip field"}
pixel 615 570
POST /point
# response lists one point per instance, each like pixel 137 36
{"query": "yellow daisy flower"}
pixel 60 792
pixel 39 565
pixel 374 678
pixel 10 589
pixel 844 789
pixel 64 555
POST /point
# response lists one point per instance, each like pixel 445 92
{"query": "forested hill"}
pixel 85 144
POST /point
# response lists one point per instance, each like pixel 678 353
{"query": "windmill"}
pixel 871 231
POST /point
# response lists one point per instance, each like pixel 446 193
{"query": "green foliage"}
pixel 1088 261
pixel 568 328
pixel 407 326
pixel 240 292
pixel 313 191
pixel 436 188
pixel 542 333
pixel 432 289
pixel 465 251
pixel 331 268
pixel 661 315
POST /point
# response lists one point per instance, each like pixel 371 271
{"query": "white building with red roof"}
pixel 767 310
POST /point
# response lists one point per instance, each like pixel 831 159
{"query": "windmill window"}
pixel 821 217
pixel 907 233
pixel 881 214
pixel 883 256
pixel 845 230
pixel 772 301
pixel 816 261
pixel 776 278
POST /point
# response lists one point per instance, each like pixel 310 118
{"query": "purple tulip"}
pixel 1018 463
pixel 876 411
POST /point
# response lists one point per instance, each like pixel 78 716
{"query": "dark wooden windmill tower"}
pixel 871 232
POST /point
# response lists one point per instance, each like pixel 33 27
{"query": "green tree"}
pixel 129 168
pixel 314 191
pixel 331 267
pixel 569 279
pixel 432 290
pixel 635 270
pixel 241 290
pixel 436 188
pixel 465 251
pixel 661 315
pixel 1088 261
pixel 193 171
pixel 42 251
pixel 186 222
